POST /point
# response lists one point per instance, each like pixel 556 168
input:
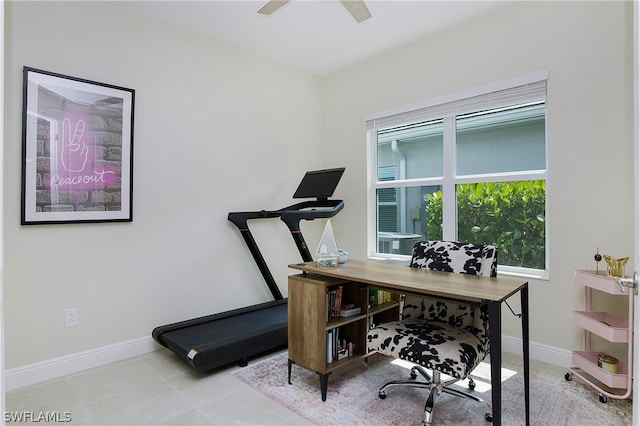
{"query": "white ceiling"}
pixel 316 36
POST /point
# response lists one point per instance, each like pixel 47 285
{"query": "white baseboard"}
pixel 19 377
pixel 16 378
pixel 538 351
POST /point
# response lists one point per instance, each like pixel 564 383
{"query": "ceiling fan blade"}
pixel 272 6
pixel 357 9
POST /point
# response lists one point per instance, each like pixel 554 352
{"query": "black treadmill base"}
pixel 231 337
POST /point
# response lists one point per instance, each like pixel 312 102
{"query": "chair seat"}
pixel 453 351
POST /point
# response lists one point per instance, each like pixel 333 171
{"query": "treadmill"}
pixel 216 340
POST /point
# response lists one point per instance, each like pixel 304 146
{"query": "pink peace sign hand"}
pixel 74 152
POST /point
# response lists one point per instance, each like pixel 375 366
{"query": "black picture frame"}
pixel 77 150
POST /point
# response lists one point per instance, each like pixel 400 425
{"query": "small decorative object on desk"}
pixel 343 256
pixel 615 267
pixel 328 253
pixel 327 261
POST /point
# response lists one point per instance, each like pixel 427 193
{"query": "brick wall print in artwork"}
pixel 79 153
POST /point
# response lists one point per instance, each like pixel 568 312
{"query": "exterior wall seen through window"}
pixel 474 177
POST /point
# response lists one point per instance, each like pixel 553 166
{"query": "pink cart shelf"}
pixel 610 328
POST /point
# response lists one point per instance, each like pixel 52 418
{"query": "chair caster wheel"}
pixel 382 395
pixel 472 385
pixel 568 377
pixel 488 417
pixel 602 398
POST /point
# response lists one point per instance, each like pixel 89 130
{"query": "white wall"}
pixel 586 48
pixel 216 130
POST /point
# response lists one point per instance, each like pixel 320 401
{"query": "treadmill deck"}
pixel 230 336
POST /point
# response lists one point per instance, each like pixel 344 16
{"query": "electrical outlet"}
pixel 71 317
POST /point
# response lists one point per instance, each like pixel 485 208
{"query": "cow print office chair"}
pixel 443 336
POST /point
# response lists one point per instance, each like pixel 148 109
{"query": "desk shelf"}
pixel 339 322
pixel 609 327
pixel 312 329
pixel 376 309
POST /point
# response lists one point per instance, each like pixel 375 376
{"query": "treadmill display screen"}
pixel 319 183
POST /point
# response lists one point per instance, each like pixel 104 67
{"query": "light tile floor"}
pixel 154 389
pixel 159 388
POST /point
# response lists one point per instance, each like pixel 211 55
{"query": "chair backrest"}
pixel 450 256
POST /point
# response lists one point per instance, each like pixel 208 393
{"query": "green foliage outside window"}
pixel 510 215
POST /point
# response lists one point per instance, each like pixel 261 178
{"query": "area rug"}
pixel 352 397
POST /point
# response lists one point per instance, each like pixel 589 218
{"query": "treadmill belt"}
pixel 230 336
pixel 228 329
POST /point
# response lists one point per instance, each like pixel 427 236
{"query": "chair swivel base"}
pixel 436 387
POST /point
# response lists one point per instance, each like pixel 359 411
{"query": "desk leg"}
pixel 495 340
pixel 289 365
pixel 324 384
pixel 524 301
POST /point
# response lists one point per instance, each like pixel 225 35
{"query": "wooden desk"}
pixel 402 279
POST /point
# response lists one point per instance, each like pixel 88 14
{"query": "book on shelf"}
pixel 334 302
pixel 378 297
pixel 332 345
pixel 337 348
pixel 329 347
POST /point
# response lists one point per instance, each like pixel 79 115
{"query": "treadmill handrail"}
pixel 240 218
pixel 291 216
pixel 309 210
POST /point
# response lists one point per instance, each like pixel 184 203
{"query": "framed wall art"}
pixel 77 150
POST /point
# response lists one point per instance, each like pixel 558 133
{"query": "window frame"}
pixel 449 179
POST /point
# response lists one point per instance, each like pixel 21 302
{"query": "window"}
pixel 468 169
